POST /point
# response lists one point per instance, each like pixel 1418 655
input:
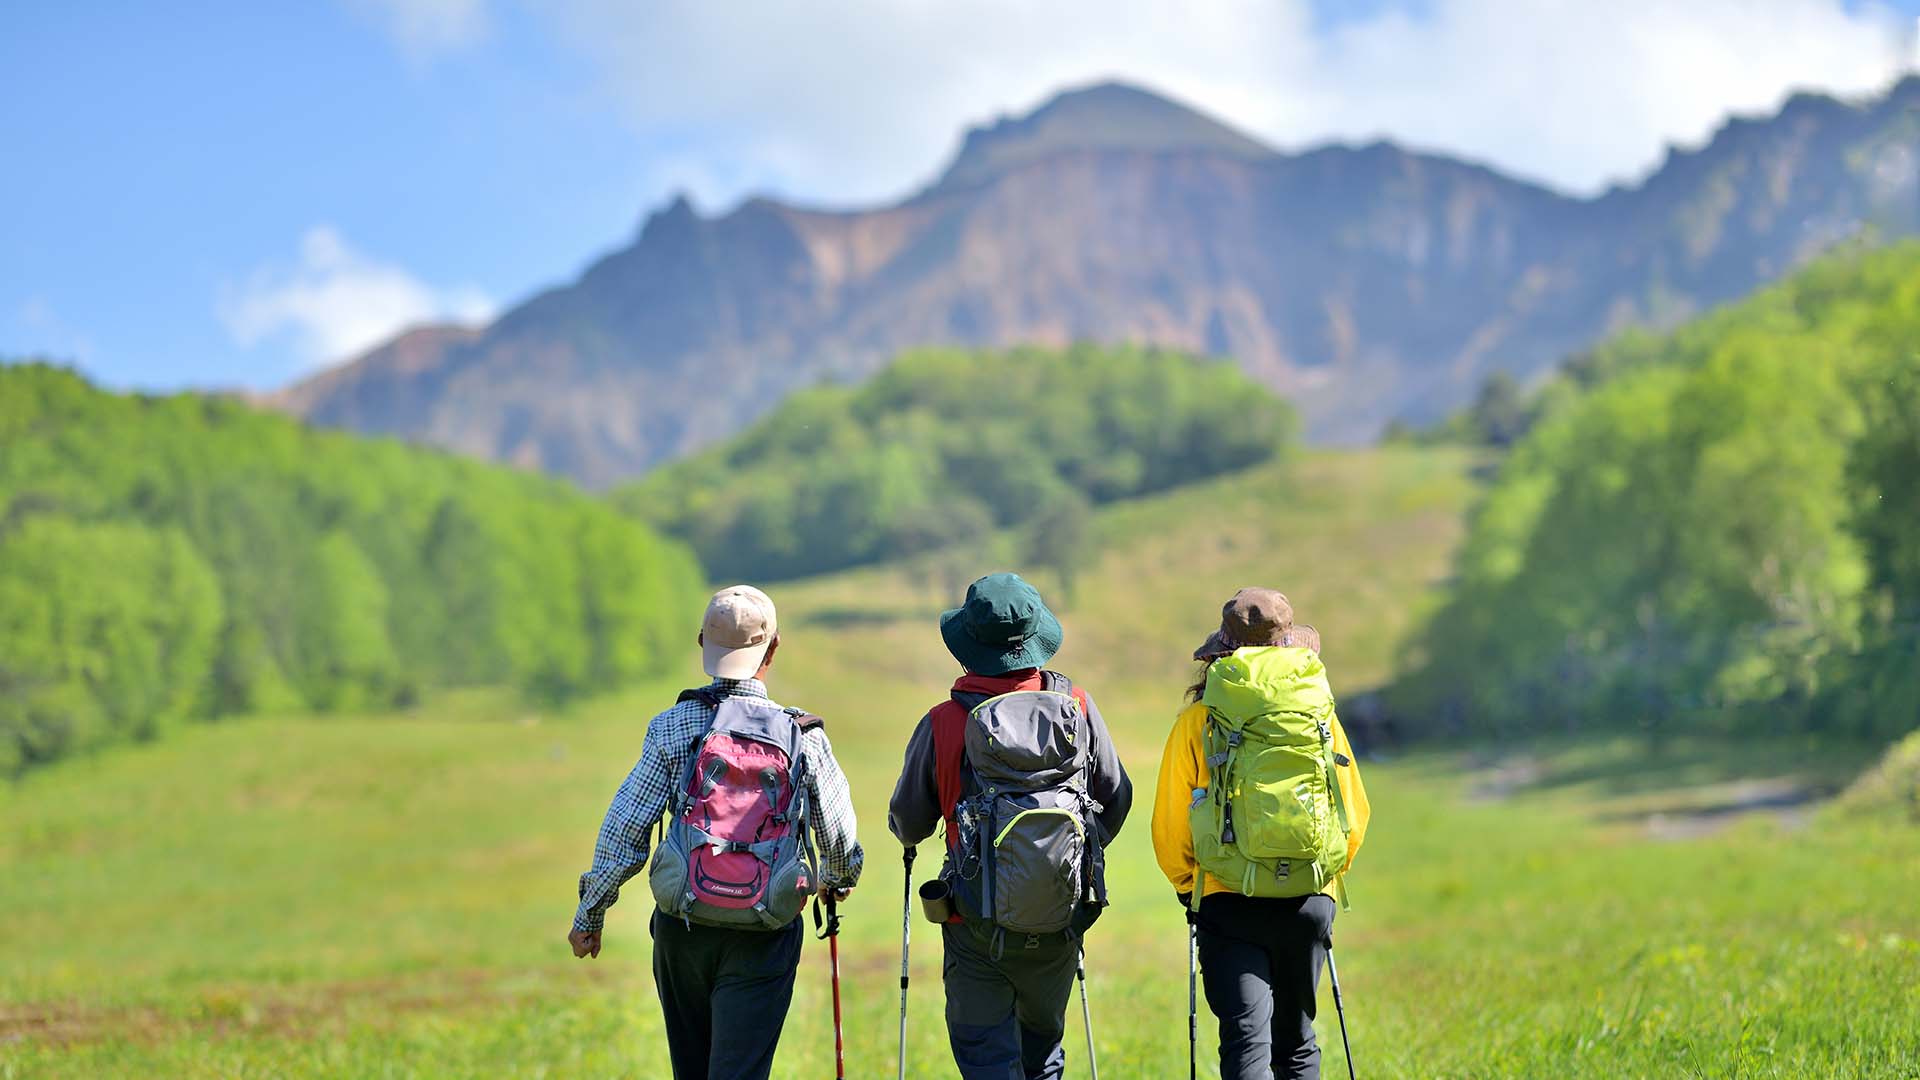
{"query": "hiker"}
pixel 1263 716
pixel 754 788
pixel 1018 765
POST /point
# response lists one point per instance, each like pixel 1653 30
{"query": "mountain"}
pixel 1367 283
pixel 1109 116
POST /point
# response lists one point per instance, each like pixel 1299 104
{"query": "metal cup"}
pixel 936 900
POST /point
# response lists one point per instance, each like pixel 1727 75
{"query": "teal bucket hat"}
pixel 1004 626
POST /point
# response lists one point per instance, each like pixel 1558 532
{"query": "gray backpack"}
pixel 738 851
pixel 1028 858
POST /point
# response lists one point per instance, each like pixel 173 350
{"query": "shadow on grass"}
pixel 1625 767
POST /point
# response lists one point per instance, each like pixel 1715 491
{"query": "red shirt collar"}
pixel 1026 679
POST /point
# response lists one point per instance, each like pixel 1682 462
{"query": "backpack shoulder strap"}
pixel 1060 684
pixel 1216 737
pixel 704 694
pixel 805 720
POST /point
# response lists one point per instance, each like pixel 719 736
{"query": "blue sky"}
pixel 221 194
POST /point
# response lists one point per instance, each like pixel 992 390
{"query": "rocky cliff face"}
pixel 1367 283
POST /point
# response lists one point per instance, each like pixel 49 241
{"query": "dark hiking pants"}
pixel 1006 1016
pixel 725 994
pixel 1260 961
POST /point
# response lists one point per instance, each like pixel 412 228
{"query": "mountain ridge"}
pixel 1111 114
pixel 1367 282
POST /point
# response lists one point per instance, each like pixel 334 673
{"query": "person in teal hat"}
pixel 1019 767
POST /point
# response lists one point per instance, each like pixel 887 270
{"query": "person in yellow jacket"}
pixel 1260 956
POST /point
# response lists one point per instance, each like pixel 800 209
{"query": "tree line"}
pixel 1715 528
pixel 165 559
pixel 948 445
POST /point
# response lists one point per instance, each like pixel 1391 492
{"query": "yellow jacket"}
pixel 1183 767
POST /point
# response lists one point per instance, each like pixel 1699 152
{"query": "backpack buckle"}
pixel 1033 941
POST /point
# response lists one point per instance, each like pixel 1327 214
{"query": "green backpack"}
pixel 1273 823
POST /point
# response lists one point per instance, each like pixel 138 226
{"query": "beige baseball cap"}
pixel 738 629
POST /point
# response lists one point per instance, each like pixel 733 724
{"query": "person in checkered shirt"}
pixel 724 990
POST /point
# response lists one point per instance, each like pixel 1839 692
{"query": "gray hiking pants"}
pixel 1006 1016
pixel 1260 960
pixel 724 993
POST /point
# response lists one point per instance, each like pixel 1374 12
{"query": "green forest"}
pixel 1717 529
pixel 948 445
pixel 165 559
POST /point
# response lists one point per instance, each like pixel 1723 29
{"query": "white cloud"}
pixel 47 334
pixel 863 100
pixel 336 302
pixel 424 29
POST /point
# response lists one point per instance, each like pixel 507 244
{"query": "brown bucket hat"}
pixel 1254 616
pixel 1303 636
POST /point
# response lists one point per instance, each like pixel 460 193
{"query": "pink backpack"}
pixel 737 851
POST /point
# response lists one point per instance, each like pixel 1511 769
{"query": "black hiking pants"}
pixel 1260 961
pixel 725 994
pixel 1007 1015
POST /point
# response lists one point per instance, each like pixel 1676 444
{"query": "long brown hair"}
pixel 1199 689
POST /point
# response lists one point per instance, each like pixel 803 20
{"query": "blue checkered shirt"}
pixel 621 850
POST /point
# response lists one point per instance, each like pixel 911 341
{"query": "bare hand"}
pixel 584 944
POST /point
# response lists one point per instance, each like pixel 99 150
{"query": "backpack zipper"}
pixel 1078 826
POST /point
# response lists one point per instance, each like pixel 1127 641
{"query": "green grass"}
pixel 388 895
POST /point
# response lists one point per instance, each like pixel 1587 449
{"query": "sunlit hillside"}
pixel 388 895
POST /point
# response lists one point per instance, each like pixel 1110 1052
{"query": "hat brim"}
pixel 1214 647
pixel 724 663
pixel 983 659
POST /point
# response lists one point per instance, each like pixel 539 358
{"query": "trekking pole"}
pixel 832 934
pixel 1193 1001
pixel 906 936
pixel 1086 1014
pixel 1333 974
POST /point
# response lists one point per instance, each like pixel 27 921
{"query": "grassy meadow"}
pixel 387 895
